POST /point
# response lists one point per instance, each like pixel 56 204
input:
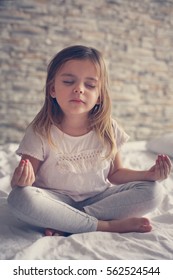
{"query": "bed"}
pixel 19 241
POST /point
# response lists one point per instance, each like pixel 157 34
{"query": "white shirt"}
pixel 74 167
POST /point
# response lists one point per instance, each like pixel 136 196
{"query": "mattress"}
pixel 20 241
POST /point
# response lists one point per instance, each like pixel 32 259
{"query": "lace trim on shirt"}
pixel 80 163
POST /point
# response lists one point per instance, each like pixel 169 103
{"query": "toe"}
pixel 49 232
pixel 145 228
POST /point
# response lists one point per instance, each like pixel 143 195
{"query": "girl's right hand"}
pixel 23 174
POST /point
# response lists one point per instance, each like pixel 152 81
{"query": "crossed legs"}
pixel 118 209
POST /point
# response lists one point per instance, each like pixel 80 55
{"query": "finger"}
pixel 31 177
pixel 168 161
pixel 165 166
pixel 161 167
pixel 20 167
pixel 157 170
pixel 18 171
pixel 27 171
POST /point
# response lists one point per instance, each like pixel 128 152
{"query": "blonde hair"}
pixel 99 117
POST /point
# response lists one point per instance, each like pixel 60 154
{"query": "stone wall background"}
pixel 136 38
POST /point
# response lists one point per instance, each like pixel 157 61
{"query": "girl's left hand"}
pixel 161 169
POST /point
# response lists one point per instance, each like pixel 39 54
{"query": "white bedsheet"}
pixel 21 241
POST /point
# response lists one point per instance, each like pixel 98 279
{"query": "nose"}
pixel 78 89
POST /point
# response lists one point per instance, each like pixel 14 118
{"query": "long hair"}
pixel 99 117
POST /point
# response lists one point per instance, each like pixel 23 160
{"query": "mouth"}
pixel 77 101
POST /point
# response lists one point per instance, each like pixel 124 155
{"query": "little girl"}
pixel 70 177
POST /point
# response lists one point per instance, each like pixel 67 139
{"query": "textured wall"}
pixel 136 38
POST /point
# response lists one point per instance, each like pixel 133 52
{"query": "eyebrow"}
pixel 73 76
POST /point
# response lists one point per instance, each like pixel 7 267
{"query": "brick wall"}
pixel 136 38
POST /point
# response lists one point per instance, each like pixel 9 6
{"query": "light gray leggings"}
pixel 48 209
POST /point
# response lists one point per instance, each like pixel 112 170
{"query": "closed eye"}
pixel 68 82
pixel 90 86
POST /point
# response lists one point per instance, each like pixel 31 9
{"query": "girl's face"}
pixel 76 87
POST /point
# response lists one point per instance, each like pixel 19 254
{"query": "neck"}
pixel 75 126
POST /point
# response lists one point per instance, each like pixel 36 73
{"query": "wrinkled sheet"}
pixel 21 241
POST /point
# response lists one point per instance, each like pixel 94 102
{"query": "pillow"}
pixel 161 145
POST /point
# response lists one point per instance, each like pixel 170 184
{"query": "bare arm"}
pixel 25 172
pixel 159 171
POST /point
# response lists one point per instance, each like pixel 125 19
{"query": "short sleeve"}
pixel 120 135
pixel 32 144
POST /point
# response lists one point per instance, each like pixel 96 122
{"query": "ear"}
pixel 52 91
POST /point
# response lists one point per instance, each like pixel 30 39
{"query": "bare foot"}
pixel 52 232
pixel 125 225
